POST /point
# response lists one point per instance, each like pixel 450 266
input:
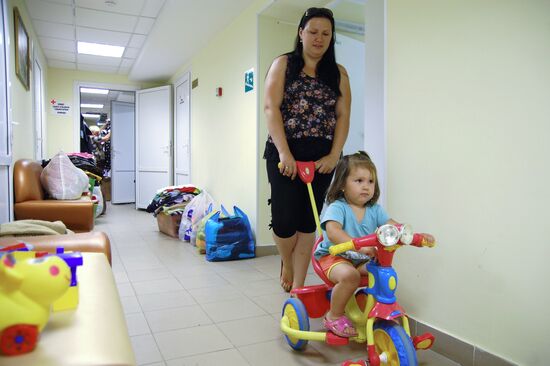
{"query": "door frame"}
pixel 7 158
pixel 76 97
pixel 186 76
pixel 38 109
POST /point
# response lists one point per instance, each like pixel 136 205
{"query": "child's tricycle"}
pixel 373 310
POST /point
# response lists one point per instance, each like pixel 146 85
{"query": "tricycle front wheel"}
pixel 391 338
pixel 298 319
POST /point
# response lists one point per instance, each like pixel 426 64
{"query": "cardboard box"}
pixel 105 185
pixel 169 225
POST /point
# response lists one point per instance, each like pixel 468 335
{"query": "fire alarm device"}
pixel 219 92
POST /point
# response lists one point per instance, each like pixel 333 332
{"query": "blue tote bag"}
pixel 229 237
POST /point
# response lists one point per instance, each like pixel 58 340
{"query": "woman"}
pixel 307 106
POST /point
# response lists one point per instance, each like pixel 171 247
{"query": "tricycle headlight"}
pixel 388 235
pixel 407 234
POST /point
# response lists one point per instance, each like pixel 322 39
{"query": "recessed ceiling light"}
pixel 100 49
pixel 90 115
pixel 94 91
pixel 86 105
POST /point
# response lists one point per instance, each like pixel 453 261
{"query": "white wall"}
pixel 224 129
pixel 274 39
pixel 468 160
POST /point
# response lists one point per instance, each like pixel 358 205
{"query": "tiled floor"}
pixel 182 310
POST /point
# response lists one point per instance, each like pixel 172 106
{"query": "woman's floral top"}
pixel 308 108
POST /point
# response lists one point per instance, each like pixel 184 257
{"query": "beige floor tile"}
pixel 232 266
pixel 145 349
pixel 191 341
pixel 262 287
pixel 166 300
pixel 188 268
pixel 230 357
pixel 218 293
pixel 177 318
pixel 148 274
pixel 137 325
pixel 209 280
pixel 277 353
pixel 120 275
pixel 157 286
pixel 251 330
pixel 125 289
pixel 244 276
pixel 232 310
pixel 271 303
pixel 130 305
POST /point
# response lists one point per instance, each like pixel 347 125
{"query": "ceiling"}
pixel 349 15
pixel 159 35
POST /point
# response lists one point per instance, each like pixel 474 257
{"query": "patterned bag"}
pixel 229 238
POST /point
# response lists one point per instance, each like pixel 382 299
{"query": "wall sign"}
pixel 249 80
pixel 60 108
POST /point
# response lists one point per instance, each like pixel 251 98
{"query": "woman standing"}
pixel 307 106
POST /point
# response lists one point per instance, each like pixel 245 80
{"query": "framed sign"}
pixel 22 49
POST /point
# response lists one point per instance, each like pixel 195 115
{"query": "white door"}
pixel 182 148
pixel 5 130
pixel 351 54
pixel 153 142
pixel 123 162
pixel 38 112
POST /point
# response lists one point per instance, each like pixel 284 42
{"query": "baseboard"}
pixel 264 250
pixel 457 350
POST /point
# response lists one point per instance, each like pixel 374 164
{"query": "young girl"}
pixel 352 212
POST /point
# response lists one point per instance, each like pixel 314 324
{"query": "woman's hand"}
pixel 326 164
pixel 287 165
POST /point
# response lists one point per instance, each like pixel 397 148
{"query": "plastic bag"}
pixel 62 180
pixel 229 238
pixel 201 232
pixel 100 203
pixel 195 210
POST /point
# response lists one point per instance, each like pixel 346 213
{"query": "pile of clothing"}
pixel 172 200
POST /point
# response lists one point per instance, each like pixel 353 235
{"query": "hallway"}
pixel 182 310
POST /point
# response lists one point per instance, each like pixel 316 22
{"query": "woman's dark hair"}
pixel 327 69
pixel 343 169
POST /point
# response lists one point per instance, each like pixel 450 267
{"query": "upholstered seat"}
pixel 30 200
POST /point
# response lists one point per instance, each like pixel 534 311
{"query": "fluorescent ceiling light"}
pixel 85 105
pixel 94 91
pixel 90 115
pixel 100 49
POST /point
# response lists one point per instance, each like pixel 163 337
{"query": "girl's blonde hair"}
pixel 343 169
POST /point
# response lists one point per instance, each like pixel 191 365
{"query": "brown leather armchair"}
pixel 30 201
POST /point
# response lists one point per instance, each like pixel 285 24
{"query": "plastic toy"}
pixel 380 321
pixel 73 259
pixel 28 287
pixel 70 299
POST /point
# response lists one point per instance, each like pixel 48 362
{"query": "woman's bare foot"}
pixel 286 277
